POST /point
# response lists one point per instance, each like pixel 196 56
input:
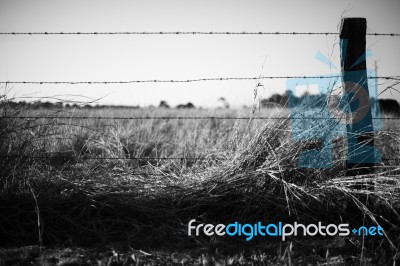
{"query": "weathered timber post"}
pixel 360 136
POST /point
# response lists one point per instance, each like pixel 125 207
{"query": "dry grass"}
pixel 250 174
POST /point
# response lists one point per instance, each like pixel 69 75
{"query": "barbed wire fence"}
pixel 188 33
pixel 183 117
pixel 148 159
pixel 397 78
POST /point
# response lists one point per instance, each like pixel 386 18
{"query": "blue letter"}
pixel 275 229
pixel 229 226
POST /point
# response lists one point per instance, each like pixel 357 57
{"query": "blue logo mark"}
pixel 368 231
pixel 325 114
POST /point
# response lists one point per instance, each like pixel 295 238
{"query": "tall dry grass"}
pixel 250 173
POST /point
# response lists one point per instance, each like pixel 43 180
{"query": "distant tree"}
pixel 163 104
pixel 275 98
pixel 224 102
pixel 47 105
pixel 389 106
pixel 267 103
pixel 189 105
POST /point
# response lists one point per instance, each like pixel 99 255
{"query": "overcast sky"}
pixel 141 57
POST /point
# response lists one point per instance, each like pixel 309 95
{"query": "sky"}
pixel 142 57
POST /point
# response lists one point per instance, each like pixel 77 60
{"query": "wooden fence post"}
pixel 360 136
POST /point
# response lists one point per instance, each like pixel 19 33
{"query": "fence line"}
pixel 396 78
pixel 186 80
pixel 182 118
pixel 111 158
pixel 132 158
pixel 190 33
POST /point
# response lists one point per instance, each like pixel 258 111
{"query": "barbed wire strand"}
pixel 133 158
pixel 181 118
pixel 185 80
pixel 189 33
pixel 109 158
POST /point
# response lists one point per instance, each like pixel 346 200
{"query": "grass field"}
pixel 87 191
